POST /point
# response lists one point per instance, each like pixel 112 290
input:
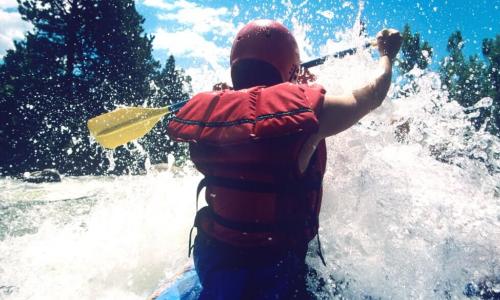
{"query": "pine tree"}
pixel 172 86
pixel 414 54
pixel 116 68
pixel 32 83
pixel 414 51
pixel 82 59
pixel 491 51
pixel 469 80
pixel 462 77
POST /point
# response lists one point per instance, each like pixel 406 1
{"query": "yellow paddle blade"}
pixel 124 124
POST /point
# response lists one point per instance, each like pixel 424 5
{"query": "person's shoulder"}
pixel 315 87
pixel 299 86
pixel 205 94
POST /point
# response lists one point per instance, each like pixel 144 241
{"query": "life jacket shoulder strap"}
pixel 235 117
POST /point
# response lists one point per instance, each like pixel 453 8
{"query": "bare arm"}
pixel 341 112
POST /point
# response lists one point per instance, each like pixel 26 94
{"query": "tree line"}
pixel 468 80
pixel 82 58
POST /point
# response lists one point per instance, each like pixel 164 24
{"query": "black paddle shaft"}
pixel 340 54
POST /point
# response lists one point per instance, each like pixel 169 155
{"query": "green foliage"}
pixel 471 79
pixel 491 51
pixel 82 59
pixel 32 83
pixel 171 86
pixel 414 52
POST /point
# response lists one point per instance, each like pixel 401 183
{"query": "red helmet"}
pixel 268 41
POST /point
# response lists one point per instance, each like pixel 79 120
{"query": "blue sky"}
pixel 199 33
pixel 435 20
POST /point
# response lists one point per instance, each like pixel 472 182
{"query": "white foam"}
pixel 135 234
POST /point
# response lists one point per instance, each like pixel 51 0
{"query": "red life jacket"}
pixel 247 143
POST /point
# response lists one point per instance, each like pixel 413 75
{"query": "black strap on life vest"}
pixel 285 187
pixel 259 186
pixel 255 227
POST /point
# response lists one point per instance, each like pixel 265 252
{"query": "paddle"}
pixel 340 54
pixel 125 124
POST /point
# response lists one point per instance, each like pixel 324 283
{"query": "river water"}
pixel 410 211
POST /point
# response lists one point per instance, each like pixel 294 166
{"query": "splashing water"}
pixel 411 205
pixel 95 237
pixel 411 208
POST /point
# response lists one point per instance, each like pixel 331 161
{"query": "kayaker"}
pixel 261 149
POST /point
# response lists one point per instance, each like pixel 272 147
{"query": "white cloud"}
pixel 202 19
pixel 188 43
pixel 13 27
pixel 199 18
pixel 204 77
pixel 170 5
pixel 4 4
pixel 161 4
pixel 206 35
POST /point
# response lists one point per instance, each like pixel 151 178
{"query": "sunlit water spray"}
pixel 411 209
pixel 94 237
